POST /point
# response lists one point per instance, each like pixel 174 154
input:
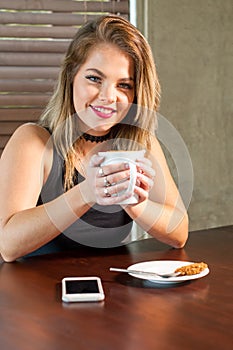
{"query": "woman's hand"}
pixel 108 184
pixel 145 179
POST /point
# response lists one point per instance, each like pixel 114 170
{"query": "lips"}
pixel 103 112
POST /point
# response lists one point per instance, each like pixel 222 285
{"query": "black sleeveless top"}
pixel 100 226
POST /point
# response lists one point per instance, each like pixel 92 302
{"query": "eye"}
pixel 125 86
pixel 93 78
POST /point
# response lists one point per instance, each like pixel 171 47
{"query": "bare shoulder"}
pixel 28 154
pixel 29 132
pixel 29 137
pixel 157 152
pixel 29 147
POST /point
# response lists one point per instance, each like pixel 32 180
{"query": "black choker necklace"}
pixel 96 139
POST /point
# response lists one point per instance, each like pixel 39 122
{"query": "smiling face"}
pixel 103 89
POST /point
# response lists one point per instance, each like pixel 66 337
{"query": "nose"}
pixel 107 94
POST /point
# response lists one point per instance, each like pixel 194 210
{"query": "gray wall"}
pixel 193 48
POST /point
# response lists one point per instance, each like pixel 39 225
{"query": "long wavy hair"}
pixel 139 124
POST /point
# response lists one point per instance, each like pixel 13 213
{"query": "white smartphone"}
pixel 78 289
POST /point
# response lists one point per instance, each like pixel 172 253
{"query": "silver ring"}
pixel 106 193
pixel 101 172
pixel 106 182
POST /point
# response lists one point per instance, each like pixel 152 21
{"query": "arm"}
pixel 162 214
pixel 24 167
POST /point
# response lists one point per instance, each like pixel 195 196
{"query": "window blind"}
pixel 34 36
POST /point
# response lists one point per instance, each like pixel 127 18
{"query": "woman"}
pixel 52 185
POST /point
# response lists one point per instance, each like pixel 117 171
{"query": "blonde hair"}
pixel 59 115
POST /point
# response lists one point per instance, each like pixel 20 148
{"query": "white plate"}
pixel 165 266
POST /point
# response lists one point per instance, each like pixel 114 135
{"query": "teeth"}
pixel 103 110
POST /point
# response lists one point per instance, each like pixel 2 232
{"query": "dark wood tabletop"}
pixel 135 315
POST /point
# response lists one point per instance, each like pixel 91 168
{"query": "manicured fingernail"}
pixel 126 165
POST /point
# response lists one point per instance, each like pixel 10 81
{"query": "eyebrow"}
pixel 104 76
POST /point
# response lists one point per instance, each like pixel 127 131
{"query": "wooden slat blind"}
pixel 34 36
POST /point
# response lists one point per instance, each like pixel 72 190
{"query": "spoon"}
pixel 147 273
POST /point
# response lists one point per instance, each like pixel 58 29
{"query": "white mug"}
pixel 130 157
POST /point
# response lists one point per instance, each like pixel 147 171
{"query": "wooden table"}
pixel 135 315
